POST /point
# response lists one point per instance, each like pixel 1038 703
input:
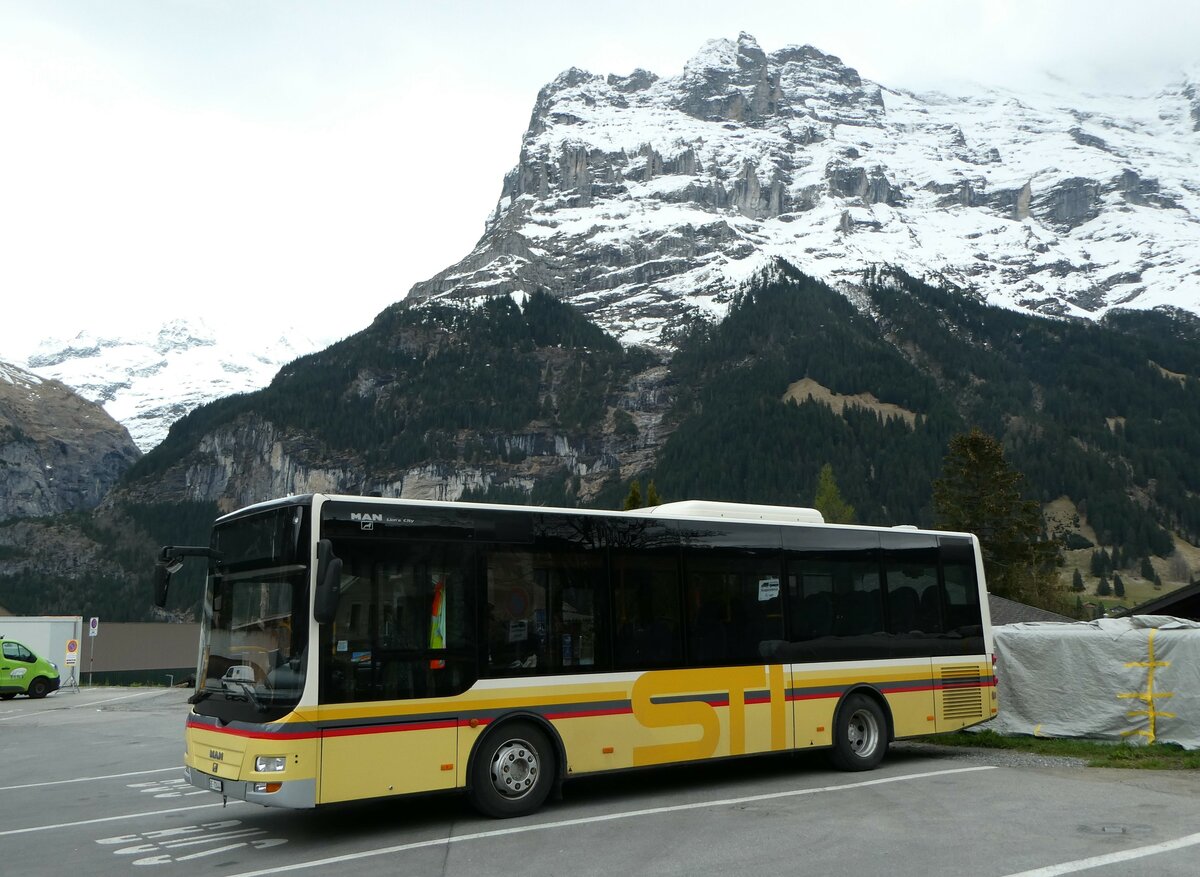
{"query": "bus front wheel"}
pixel 513 771
pixel 860 735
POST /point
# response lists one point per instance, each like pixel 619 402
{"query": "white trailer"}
pixel 47 636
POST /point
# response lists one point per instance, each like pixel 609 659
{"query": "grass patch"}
pixel 1097 753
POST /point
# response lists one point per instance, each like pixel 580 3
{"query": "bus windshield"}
pixel 254 637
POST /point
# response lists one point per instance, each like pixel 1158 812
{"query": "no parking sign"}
pixel 72 652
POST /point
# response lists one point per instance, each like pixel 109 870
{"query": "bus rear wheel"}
pixel 39 687
pixel 513 771
pixel 860 735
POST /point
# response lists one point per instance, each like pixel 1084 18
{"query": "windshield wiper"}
pixel 202 694
pixel 247 693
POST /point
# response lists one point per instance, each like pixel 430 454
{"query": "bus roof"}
pixel 682 510
pixel 699 508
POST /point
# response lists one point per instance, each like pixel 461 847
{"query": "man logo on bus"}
pixel 366 516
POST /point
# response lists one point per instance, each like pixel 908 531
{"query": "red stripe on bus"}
pixel 388 729
pixel 582 714
pixel 824 695
pixel 257 735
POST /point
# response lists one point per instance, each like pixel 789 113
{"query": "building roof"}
pixel 1005 611
pixel 1181 603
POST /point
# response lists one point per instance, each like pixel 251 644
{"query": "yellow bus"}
pixel 359 647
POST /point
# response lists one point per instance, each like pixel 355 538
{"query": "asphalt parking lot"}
pixel 90 783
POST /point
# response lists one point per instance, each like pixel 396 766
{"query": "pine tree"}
pixel 980 493
pixel 1118 586
pixel 1147 569
pixel 1096 566
pixel 1102 588
pixel 652 497
pixel 634 499
pixel 828 500
pixel 1077 581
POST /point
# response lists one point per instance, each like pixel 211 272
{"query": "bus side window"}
pixel 734 609
pixel 856 600
pixel 516 604
pixel 546 606
pixel 647 612
pixel 810 604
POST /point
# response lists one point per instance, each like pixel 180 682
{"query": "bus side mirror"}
pixel 329 580
pixel 168 562
pixel 162 578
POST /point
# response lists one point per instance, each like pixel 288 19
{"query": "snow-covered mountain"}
pixel 148 380
pixel 642 199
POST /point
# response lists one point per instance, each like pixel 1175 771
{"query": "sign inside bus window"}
pixel 689 699
pixel 768 589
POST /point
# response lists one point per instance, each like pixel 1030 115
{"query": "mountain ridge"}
pixel 642 199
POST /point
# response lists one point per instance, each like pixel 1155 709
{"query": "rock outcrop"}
pixel 58 452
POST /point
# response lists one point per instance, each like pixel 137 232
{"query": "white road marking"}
pixel 163 843
pixel 609 817
pixel 172 788
pixel 113 818
pixel 111 776
pixel 1112 858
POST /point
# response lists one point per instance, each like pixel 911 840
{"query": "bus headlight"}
pixel 270 763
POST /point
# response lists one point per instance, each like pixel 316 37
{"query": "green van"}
pixel 23 672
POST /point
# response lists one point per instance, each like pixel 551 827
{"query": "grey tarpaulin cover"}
pixel 1135 679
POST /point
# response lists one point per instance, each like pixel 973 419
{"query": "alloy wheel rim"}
pixel 515 768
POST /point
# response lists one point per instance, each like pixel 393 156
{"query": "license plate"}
pixel 215 785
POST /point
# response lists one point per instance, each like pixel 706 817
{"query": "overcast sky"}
pixel 304 163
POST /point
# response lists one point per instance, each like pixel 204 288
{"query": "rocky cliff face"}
pixel 644 199
pixel 58 452
pixel 492 402
pixel 251 460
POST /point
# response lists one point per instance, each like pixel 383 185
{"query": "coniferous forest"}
pixel 1106 414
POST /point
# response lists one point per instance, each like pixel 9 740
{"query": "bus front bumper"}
pixel 293 794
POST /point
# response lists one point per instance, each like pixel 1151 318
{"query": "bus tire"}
pixel 39 687
pixel 513 771
pixel 860 734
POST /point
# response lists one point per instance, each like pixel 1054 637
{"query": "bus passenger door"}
pixel 401 648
